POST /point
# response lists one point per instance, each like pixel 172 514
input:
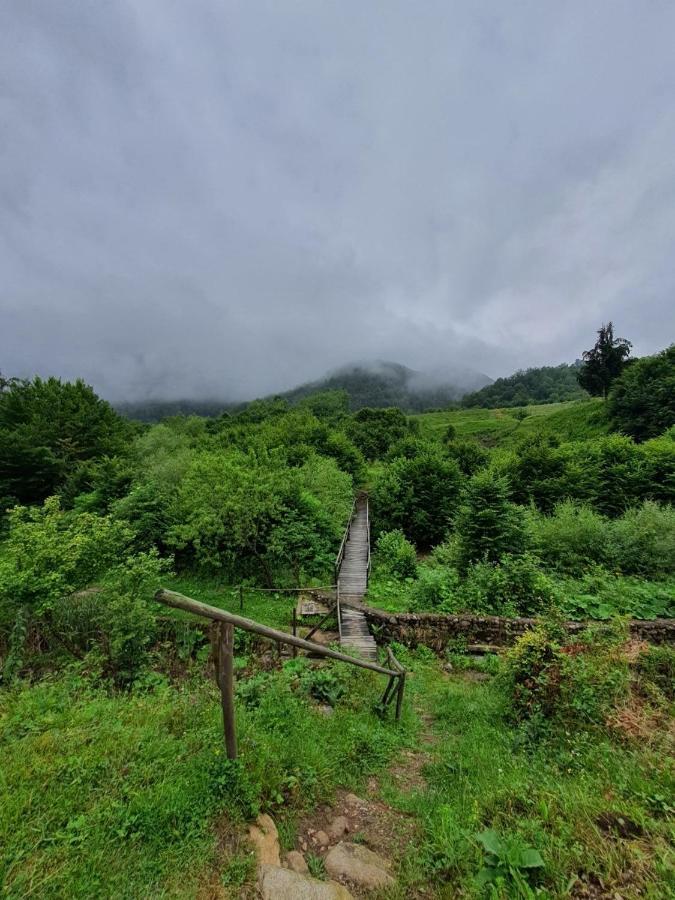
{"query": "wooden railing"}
pixel 223 641
pixel 341 551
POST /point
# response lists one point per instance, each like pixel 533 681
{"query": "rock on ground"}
pixel 265 839
pixel 338 828
pixel 296 862
pixel 322 839
pixel 283 884
pixel 359 865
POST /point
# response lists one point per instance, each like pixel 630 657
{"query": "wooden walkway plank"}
pixel 353 581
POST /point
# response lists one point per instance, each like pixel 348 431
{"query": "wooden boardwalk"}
pixel 353 583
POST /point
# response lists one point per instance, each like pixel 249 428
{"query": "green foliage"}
pixel 47 428
pixel 469 455
pixel 330 406
pixel 489 525
pixel 642 400
pixel 515 586
pixel 375 430
pixel 575 539
pixel 604 363
pixel 536 472
pixel 246 514
pixel 395 554
pixel 571 540
pixel 508 862
pixel 435 588
pixel 656 665
pixel 600 594
pixel 71 578
pixel 551 677
pixel 547 384
pixel 417 496
pixel 642 541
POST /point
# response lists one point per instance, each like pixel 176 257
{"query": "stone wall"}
pixel 435 630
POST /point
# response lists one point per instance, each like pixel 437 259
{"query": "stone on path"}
pixel 322 839
pixel 338 828
pixel 265 839
pixel 296 862
pixel 359 865
pixel 284 884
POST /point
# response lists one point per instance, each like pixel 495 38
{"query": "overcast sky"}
pixel 227 198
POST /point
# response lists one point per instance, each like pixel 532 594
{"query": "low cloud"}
pixel 221 199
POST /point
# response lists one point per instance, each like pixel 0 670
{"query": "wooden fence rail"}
pixel 224 652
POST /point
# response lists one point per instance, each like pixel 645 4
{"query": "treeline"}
pixel 545 384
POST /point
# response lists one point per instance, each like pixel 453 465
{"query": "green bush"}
pixel 395 554
pixel 551 677
pixel 513 587
pixel 469 455
pixel 656 665
pixel 572 539
pixel 642 541
pixel 600 594
pixel 436 588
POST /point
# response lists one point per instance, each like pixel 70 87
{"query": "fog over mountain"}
pixel 218 199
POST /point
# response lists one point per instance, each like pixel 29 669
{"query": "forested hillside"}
pixel 383 384
pixel 545 384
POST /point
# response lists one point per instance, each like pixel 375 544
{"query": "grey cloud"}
pixel 228 198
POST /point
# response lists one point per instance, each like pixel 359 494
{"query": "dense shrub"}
pixel 71 579
pixel 469 455
pixel 642 541
pixel 419 496
pixel 234 511
pixel 550 678
pixel 572 539
pixel 607 473
pixel 575 539
pixel 642 401
pixel 536 472
pixel 395 554
pixel 375 430
pixel 513 587
pixel 489 525
pixel 435 588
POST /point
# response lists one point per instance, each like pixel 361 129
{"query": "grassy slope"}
pixel 499 427
pixel 129 795
pixel 550 795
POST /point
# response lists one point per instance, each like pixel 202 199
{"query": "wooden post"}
pixel 241 596
pixel 224 660
pixel 295 629
pixel 399 695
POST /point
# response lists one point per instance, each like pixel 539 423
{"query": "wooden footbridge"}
pixel 352 567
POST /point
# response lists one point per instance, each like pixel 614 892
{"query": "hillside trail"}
pixel 379 818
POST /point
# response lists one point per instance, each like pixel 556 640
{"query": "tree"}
pixel 47 428
pixel 418 496
pixel 489 525
pixel 375 430
pixel 642 401
pixel 604 362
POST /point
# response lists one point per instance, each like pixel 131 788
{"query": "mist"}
pixel 218 199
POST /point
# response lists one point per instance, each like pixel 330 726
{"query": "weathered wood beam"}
pixel 187 604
